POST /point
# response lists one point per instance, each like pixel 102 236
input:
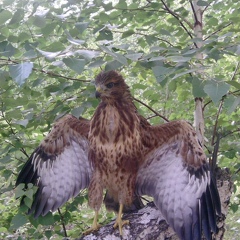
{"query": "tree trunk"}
pixel 148 223
pixel 198 32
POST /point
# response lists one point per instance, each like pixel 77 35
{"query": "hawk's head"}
pixel 110 85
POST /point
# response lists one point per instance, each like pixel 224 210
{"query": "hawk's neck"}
pixel 115 121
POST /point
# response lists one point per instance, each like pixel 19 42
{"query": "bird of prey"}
pixel 120 151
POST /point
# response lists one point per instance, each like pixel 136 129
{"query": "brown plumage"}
pixel 118 150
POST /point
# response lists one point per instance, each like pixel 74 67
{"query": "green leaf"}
pixel 113 65
pixel 77 112
pixel 231 103
pixel 48 29
pixel 19 192
pixel 49 55
pixel 108 6
pixel 23 122
pixel 216 90
pixel 55 47
pixel 81 26
pixel 234 84
pixel 97 63
pixel 46 220
pixel 121 4
pixel 7 49
pixel 160 70
pixel 87 54
pixel 186 72
pixel 18 221
pixel 234 207
pixel 17 17
pixel 39 21
pixel 76 65
pixel 128 33
pixel 4 16
pixel 134 56
pixel 202 3
pixel 29 193
pixel 20 72
pixel 105 34
pixel 179 59
pixel 120 58
pixel 197 88
pixel 73 40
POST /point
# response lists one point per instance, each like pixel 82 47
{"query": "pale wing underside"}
pixel 184 196
pixel 59 166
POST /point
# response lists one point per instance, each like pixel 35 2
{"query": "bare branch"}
pixel 63 223
pixel 51 74
pixel 178 18
pixel 142 34
pixel 235 72
pixel 159 115
pixel 194 12
pixel 219 30
pixel 13 132
pixel 206 7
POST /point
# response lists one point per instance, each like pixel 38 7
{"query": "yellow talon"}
pixel 119 222
pixel 95 226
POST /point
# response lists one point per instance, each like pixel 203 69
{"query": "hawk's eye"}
pixel 110 85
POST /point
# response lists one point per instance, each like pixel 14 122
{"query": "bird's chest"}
pixel 115 140
pixel 111 123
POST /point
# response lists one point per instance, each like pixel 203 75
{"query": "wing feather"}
pixel 59 166
pixel 181 185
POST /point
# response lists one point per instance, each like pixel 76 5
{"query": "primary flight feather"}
pixel 118 150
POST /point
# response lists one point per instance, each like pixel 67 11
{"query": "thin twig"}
pixel 13 132
pixel 206 7
pixel 194 12
pixel 178 18
pixel 235 72
pixel 61 76
pixel 229 133
pixel 47 72
pixel 63 224
pixel 142 34
pixel 159 115
pixel 219 30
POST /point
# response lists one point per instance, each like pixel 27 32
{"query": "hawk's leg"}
pixel 95 196
pixel 95 225
pixel 119 222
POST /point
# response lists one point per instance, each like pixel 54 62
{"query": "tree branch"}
pixel 235 72
pixel 51 74
pixel 206 7
pixel 63 224
pixel 142 34
pixel 176 16
pixel 159 115
pixel 219 30
pixel 13 132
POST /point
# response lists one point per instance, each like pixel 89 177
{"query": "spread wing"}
pixel 176 175
pixel 59 166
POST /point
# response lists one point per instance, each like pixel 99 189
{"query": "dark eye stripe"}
pixel 110 85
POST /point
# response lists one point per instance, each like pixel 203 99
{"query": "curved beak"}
pixel 98 92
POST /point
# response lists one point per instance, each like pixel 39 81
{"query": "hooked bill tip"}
pixel 97 94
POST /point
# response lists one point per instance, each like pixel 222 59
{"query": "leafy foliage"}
pixel 51 50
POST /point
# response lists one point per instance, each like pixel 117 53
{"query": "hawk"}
pixel 120 151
